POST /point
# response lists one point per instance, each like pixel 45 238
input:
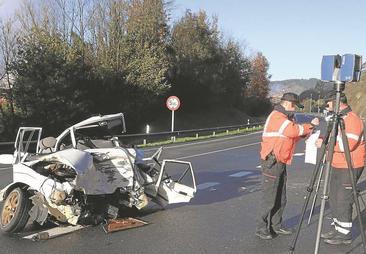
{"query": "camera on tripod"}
pixel 339 70
pixel 345 68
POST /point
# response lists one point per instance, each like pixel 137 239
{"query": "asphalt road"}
pixel 220 219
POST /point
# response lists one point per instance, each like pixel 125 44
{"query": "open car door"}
pixel 176 183
pixel 27 142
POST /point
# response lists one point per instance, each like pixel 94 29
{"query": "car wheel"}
pixel 15 212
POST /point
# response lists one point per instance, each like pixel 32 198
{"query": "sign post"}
pixel 173 104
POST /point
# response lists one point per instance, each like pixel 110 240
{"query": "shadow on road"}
pixel 293 221
pixel 226 185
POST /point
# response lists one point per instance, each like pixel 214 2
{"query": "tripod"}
pixel 326 155
pixel 317 189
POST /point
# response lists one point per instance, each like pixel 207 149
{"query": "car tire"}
pixel 15 211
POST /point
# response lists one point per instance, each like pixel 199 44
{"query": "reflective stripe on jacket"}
pixel 280 136
pixel 354 132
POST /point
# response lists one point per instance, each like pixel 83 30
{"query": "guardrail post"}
pixel 196 135
pixel 213 133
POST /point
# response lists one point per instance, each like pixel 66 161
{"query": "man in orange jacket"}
pixel 279 139
pixel 340 187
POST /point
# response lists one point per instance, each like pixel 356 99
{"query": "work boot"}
pixel 328 235
pixel 339 238
pixel 283 231
pixel 264 234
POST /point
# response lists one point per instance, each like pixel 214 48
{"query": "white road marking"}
pixel 299 154
pixel 259 166
pixel 207 185
pixel 240 174
pixel 205 142
pixel 217 151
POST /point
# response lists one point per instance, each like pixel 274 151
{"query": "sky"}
pixel 292 34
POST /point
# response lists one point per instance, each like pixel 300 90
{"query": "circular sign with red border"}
pixel 173 103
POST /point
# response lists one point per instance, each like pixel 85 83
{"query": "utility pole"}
pixel 311 102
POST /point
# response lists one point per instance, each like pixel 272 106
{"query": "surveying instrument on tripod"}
pixel 340 70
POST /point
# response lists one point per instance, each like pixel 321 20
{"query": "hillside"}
pixel 291 85
pixel 356 96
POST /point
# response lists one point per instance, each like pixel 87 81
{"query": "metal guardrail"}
pixel 6 147
pixel 143 138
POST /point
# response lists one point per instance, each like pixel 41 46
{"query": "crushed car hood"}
pixel 99 171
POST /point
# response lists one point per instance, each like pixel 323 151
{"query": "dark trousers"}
pixel 341 195
pixel 274 178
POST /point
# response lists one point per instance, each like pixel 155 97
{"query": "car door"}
pixel 176 183
pixel 26 143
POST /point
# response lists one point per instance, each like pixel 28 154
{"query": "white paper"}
pixel 311 149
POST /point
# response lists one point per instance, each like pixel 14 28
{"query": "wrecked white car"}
pixel 85 176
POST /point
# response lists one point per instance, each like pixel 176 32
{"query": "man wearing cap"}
pixel 340 187
pixel 279 138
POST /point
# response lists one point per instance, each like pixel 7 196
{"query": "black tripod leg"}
pixel 309 190
pixel 353 180
pixel 316 192
pixel 363 201
pixel 329 159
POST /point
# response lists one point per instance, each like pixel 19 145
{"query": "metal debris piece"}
pixel 112 212
pixel 39 212
pixel 114 225
pixel 53 232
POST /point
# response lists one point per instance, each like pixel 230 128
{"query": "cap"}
pixel 293 98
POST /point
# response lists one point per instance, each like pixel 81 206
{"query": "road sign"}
pixel 173 103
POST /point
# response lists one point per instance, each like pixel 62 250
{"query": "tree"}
pixel 259 78
pixel 198 59
pixel 51 85
pixel 8 41
pixel 147 61
pixel 235 74
pixel 83 57
pixel 256 101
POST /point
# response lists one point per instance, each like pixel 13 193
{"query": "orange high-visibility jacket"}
pixel 280 136
pixel 354 132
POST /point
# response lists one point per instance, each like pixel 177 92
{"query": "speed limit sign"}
pixel 173 103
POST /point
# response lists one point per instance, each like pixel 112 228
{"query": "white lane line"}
pixel 299 154
pixel 205 142
pixel 240 174
pixel 259 166
pixel 4 169
pixel 217 151
pixel 207 185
